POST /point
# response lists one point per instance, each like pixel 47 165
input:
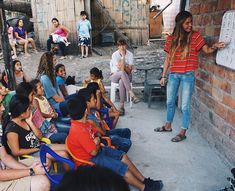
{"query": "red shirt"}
pixel 80 140
pixel 182 64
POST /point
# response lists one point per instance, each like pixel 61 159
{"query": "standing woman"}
pixel 61 31
pixel 22 37
pixel 182 49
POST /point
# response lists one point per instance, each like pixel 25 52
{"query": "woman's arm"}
pixel 9 161
pixel 58 98
pixel 13 142
pixel 214 47
pixel 63 90
pixel 17 35
pixel 102 88
pixel 165 68
pixel 66 30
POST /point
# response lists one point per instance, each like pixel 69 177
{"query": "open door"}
pixel 155 28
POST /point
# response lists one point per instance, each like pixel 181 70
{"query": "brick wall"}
pixel 213 104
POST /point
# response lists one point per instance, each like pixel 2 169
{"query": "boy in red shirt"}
pixel 84 144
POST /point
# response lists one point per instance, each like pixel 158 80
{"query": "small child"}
pixel 43 119
pixel 60 78
pixel 83 29
pixel 104 105
pixel 12 40
pixel 20 75
pixel 57 39
pixel 95 76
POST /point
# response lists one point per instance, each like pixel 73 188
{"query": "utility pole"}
pixel 6 49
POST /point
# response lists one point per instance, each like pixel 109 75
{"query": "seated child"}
pixel 95 76
pixel 120 138
pixel 84 144
pixel 44 113
pixel 20 136
pixel 104 105
pixel 20 75
pixel 60 78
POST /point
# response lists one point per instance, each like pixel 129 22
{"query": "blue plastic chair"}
pixel 54 178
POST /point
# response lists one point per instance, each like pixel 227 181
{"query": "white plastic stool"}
pixel 114 87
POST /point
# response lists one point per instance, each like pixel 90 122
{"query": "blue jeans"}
pixel 111 158
pixel 58 137
pixel 121 138
pixel 62 124
pixel 187 81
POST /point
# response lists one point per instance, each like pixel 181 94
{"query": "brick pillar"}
pixel 213 105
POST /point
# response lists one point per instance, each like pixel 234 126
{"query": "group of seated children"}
pixel 29 117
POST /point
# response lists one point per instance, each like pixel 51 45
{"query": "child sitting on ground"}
pixel 20 75
pixel 44 114
pixel 83 143
pixel 60 78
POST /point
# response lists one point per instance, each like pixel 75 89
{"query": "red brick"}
pixel 230 75
pixel 233 90
pixel 217 94
pixel 229 101
pixel 221 110
pixel 205 76
pixel 231 117
pixel 217 18
pixel 216 82
pixel 219 71
pixel 207 20
pixel 217 31
pixel 195 9
pixel 208 100
pixel 226 86
pixel 224 5
pixel 233 4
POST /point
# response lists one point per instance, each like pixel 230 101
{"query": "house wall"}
pixel 213 104
pixel 68 13
pixel 131 16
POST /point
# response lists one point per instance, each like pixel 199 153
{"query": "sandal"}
pixel 121 111
pixel 178 138
pixel 162 129
pixel 135 100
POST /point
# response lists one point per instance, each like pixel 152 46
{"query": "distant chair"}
pixel 54 178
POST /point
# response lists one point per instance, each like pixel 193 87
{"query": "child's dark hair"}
pixel 34 84
pixel 17 22
pixel 14 63
pixel 83 13
pixel 92 179
pixel 76 107
pixel 97 73
pixel 18 105
pixel 86 93
pixel 4 83
pixel 24 88
pixel 93 86
pixel 58 66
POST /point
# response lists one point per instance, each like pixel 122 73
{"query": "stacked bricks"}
pixel 213 103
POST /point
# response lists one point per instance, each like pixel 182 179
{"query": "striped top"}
pixel 190 62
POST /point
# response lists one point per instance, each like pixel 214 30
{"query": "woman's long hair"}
pixel 18 105
pixel 180 38
pixel 46 66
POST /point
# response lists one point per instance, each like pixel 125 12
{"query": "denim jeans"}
pixel 121 138
pixel 186 81
pixel 58 137
pixel 62 124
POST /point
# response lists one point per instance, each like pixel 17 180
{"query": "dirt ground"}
pixel 144 55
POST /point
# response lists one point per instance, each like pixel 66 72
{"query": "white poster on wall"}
pixel 226 56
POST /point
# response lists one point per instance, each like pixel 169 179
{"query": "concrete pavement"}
pixel 191 165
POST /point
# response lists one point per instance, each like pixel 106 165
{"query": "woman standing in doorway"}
pixel 182 49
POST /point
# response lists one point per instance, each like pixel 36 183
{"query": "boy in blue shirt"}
pixel 83 29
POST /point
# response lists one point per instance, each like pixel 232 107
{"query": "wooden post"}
pixel 6 49
pixel 87 6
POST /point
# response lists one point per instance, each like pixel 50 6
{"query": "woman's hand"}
pixel 218 45
pixel 163 81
